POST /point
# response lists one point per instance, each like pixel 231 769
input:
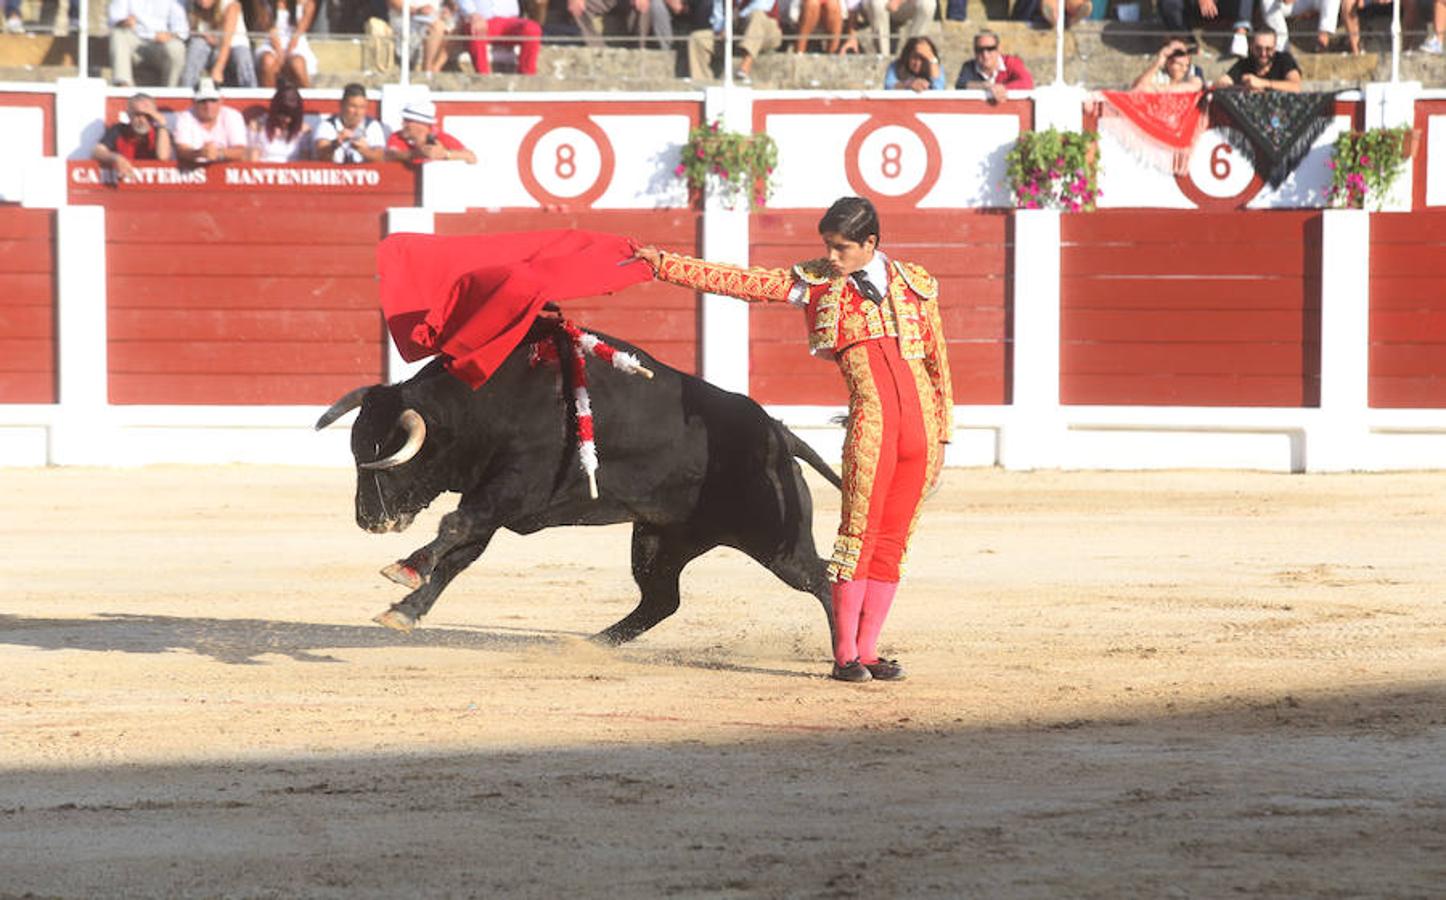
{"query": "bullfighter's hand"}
pixel 650 255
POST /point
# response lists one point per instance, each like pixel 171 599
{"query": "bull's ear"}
pixel 346 404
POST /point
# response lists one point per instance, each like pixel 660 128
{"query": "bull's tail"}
pixel 800 448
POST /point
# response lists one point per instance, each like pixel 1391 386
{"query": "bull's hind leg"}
pixel 404 614
pixel 803 570
pixel 659 556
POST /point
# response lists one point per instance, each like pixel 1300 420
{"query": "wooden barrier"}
pixel 254 285
pixel 1188 308
pixel 27 306
pixel 1408 310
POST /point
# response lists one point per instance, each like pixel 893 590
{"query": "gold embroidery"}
pixel 817 271
pixel 841 317
pixel 766 285
pixel 862 445
pixel 918 278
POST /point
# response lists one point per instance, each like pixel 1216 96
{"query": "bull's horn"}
pixel 416 434
pixel 346 404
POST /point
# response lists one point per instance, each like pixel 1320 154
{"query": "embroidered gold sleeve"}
pixel 936 363
pixel 754 285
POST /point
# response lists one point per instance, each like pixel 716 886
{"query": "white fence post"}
pixel 723 344
pixel 78 435
pixel 1337 440
pixel 1033 430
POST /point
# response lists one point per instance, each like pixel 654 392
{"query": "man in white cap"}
pixel 209 132
pixel 419 140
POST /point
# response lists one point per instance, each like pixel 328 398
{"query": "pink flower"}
pixel 1073 206
pixel 680 170
pixel 1331 164
pixel 700 154
pixel 1365 160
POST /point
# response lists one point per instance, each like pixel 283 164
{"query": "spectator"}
pixel 1175 13
pixel 660 19
pixel 913 17
pixel 351 136
pixel 218 43
pixel 428 30
pixel 419 140
pixel 1266 69
pixel 150 32
pixel 1171 71
pixel 209 131
pixel 1074 10
pixel 281 135
pixel 482 20
pixel 809 14
pixel 760 31
pixel 13 23
pixel 1326 12
pixel 917 68
pixel 587 16
pixel 1436 31
pixel 285 49
pixel 140 134
pixel 993 70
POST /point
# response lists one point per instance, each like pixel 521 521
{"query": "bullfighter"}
pixel 889 346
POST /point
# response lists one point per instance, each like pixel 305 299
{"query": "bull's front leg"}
pixel 403 615
pixel 462 535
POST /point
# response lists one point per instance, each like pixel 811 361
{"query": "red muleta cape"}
pixel 473 297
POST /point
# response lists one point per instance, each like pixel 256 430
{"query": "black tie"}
pixel 866 287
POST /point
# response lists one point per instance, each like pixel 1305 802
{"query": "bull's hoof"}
pixel 396 620
pixel 404 575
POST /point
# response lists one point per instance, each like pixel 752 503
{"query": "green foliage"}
pixel 739 165
pixel 1366 164
pixel 1054 170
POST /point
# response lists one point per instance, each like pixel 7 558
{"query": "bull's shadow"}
pixel 241 641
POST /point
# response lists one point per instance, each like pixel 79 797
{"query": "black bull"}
pixel 692 467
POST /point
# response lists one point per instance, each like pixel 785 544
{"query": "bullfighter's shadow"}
pixel 241 641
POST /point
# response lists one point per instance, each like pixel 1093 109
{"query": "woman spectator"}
pixel 1171 71
pixel 285 49
pixel 281 135
pixel 218 42
pixel 917 68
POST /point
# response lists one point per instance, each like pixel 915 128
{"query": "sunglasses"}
pixel 986 48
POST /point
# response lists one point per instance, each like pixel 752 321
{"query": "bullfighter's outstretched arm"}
pixel 756 285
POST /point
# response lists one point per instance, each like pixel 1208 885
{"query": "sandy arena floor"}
pixel 1158 685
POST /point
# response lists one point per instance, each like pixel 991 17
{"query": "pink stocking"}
pixel 877 600
pixel 848 602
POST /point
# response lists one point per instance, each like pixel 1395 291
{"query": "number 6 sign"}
pixel 1219 175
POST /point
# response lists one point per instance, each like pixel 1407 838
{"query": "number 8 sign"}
pixel 567 163
pixel 892 158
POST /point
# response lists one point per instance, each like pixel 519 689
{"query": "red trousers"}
pixel 886 460
pixel 527 30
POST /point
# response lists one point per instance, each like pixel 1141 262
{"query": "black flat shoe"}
pixel 885 670
pixel 854 671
